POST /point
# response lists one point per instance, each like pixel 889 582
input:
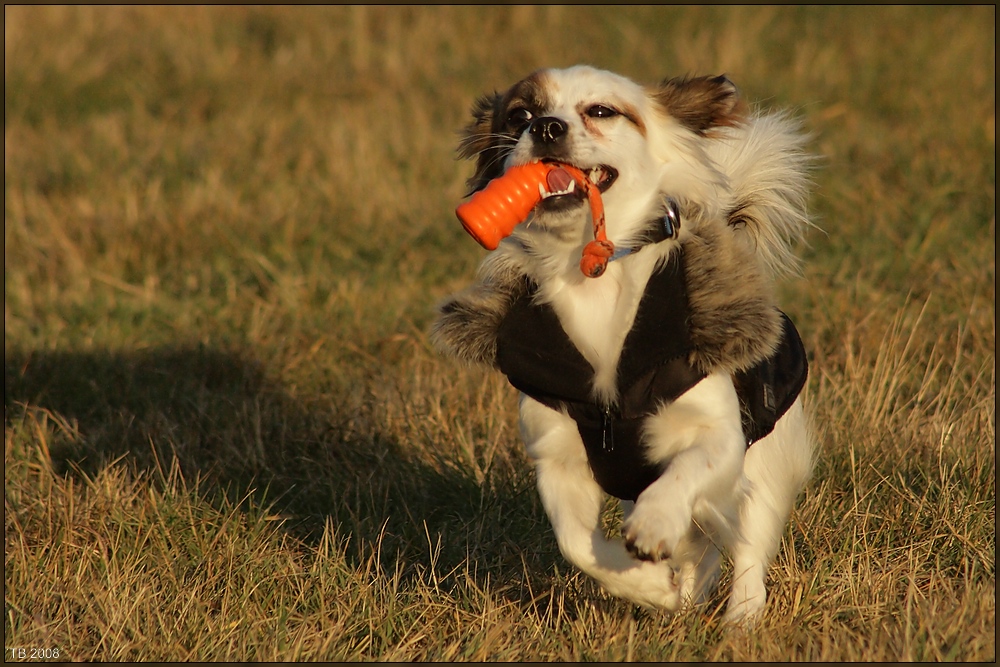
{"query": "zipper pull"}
pixel 608 443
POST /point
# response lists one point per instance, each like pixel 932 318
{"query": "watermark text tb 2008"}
pixel 30 653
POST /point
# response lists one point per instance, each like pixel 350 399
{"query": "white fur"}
pixel 714 496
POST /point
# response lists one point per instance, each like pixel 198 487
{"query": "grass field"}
pixel 227 437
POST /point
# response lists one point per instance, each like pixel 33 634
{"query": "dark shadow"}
pixel 218 417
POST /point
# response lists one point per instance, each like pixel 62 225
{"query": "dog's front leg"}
pixel 573 501
pixel 700 440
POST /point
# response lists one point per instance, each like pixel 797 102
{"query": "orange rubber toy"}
pixel 492 213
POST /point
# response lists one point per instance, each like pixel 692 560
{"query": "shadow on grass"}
pixel 222 421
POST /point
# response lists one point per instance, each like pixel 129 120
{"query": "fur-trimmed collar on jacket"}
pixel 734 320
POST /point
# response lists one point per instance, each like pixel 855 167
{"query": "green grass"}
pixel 226 434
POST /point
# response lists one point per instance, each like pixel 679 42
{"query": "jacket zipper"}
pixel 608 432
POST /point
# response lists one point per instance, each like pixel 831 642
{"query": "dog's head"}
pixel 636 143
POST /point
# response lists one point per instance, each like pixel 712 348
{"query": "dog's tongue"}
pixel 558 180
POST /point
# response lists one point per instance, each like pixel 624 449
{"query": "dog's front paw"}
pixel 654 529
pixel 650 585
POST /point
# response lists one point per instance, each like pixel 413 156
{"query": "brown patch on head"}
pixel 529 93
pixel 702 103
pixel 492 134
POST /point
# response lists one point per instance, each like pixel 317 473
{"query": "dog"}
pixel 672 381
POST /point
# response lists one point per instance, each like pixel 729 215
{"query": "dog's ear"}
pixel 702 103
pixel 479 141
pixel 475 137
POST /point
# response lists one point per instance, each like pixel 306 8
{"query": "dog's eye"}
pixel 601 111
pixel 518 119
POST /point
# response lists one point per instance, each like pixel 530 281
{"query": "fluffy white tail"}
pixel 768 172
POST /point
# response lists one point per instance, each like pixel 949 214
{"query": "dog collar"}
pixel 659 229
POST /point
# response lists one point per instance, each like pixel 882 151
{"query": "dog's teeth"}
pixel 596 175
pixel 545 194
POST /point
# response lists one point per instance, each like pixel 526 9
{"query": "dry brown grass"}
pixel 226 436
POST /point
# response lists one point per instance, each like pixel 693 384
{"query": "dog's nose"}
pixel 547 129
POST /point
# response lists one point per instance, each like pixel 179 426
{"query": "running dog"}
pixel 672 381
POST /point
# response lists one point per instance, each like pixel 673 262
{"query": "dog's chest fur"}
pixel 598 314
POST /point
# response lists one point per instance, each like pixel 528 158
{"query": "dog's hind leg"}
pixel 700 567
pixel 573 501
pixel 776 468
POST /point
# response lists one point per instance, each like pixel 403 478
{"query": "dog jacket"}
pixel 539 359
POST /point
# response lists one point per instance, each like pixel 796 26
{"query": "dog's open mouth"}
pixel 561 190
